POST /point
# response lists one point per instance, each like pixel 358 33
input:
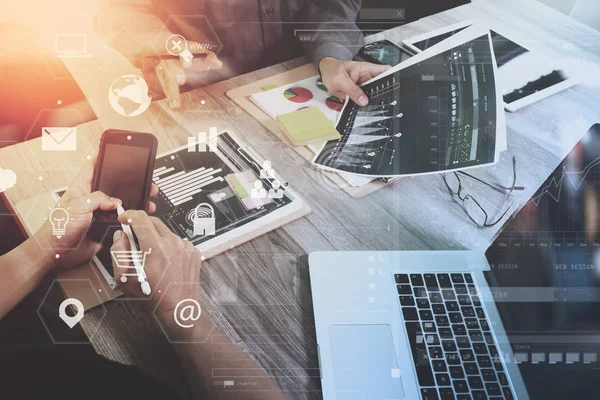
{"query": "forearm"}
pixel 21 271
pixel 335 34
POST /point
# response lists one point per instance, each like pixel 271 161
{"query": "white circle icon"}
pixel 176 45
pixel 128 95
pixel 71 321
pixel 190 311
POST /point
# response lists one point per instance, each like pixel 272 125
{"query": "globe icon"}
pixel 128 95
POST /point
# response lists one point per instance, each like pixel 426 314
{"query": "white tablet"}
pixel 524 76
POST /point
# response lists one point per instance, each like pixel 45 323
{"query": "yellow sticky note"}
pixel 269 87
pixel 307 126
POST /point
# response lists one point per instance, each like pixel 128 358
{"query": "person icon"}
pixel 267 171
pixel 258 191
pixel 276 192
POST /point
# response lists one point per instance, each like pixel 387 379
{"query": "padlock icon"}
pixel 203 219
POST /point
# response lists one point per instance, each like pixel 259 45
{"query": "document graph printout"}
pixel 437 112
pixel 187 179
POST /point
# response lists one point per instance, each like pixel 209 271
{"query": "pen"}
pixel 172 57
pixel 139 268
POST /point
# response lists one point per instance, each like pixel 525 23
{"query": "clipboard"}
pixel 241 96
pixel 33 212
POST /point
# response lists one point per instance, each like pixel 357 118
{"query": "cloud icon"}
pixel 8 179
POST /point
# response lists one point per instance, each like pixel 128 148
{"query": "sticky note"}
pixel 308 125
pixel 269 87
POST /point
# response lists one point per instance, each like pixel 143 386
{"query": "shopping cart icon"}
pixel 132 262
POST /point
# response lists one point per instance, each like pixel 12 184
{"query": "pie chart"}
pixel 321 85
pixel 298 94
pixel 334 103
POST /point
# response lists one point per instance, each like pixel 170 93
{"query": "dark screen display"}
pixel 123 174
pixel 545 276
pixel 386 53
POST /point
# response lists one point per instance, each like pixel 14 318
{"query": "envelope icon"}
pixel 59 139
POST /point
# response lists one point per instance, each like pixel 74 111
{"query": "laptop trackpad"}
pixel 365 363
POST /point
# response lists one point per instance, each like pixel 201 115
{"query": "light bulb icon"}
pixel 59 218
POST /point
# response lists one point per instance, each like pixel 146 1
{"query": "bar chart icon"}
pixel 203 142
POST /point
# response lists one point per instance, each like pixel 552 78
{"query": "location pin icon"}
pixel 71 321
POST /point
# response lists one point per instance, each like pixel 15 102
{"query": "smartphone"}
pixel 384 52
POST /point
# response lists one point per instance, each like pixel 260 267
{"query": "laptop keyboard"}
pixel 453 350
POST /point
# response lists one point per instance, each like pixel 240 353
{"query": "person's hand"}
pixel 342 77
pixel 171 74
pixel 73 248
pixel 171 260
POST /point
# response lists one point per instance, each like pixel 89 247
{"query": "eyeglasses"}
pixel 472 207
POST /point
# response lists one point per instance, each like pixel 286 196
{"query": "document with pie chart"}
pixel 439 111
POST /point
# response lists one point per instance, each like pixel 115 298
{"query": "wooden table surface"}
pixel 261 289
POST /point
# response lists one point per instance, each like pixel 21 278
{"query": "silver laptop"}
pixel 433 324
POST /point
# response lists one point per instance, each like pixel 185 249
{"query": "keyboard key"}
pixel 489 339
pixel 479 395
pixel 455 318
pixel 426 315
pixel 404 289
pixel 447 394
pixel 446 333
pixel 476 301
pixel 484 361
pixel 457 373
pixel 439 365
pixel 451 306
pixel 463 342
pixel 471 369
pixel 460 289
pixel 430 282
pixel 422 303
pixel 442 379
pixel 493 389
pixel 457 278
pixel 475 382
pixel 432 339
pixel 420 292
pixel 410 313
pixel 449 345
pixel 435 297
pixel 459 329
pixel 472 289
pixel 464 300
pixel 498 366
pixel 507 393
pixel 438 309
pixel 407 301
pixel 429 394
pixel 467 311
pixel 488 374
pixel 444 280
pixel 463 397
pixel 468 278
pixel 502 379
pixel 493 351
pixel 480 312
pixel 416 280
pixel 484 325
pixel 448 294
pixel 435 352
pixel 452 358
pixel 466 356
pixel 428 327
pixel 424 374
pixel 479 348
pixel 442 320
pixel 460 386
pixel 471 323
pixel 401 278
pixel 475 336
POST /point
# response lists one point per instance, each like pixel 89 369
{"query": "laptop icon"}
pixel 71 45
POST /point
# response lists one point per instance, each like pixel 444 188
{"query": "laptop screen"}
pixel 545 278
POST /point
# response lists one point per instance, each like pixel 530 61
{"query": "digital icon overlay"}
pixel 177 46
pixel 59 139
pixel 204 220
pixel 8 179
pixel 59 219
pixel 62 311
pixel 187 310
pixel 128 95
pixel 203 139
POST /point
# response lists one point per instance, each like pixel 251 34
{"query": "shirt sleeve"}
pixel 331 30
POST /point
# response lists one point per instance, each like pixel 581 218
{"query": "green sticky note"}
pixel 308 125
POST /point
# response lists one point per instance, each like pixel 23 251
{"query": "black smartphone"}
pixel 124 170
pixel 384 52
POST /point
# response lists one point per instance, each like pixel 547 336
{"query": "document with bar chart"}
pixel 206 191
pixel 436 112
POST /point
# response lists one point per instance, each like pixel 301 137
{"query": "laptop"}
pixel 518 321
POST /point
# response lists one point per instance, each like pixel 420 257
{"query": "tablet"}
pixel 524 76
pixel 217 193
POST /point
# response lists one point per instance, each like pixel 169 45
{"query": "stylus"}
pixel 139 268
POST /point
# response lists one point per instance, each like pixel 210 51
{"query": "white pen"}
pixel 139 268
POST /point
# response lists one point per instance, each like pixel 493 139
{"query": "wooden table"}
pixel 272 313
